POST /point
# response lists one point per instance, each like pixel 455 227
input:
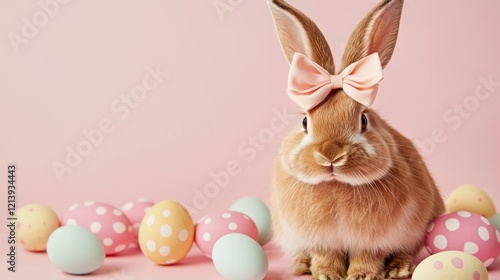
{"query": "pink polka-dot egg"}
pixel 464 231
pixel 450 265
pixel 166 233
pixel 135 211
pixel 107 222
pixel 214 226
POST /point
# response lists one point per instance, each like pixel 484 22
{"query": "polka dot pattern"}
pixel 35 223
pixel 164 251
pixel 150 220
pixel 100 210
pixel 166 230
pixel 119 227
pixel 467 232
pixel 107 241
pixel 452 224
pixel 120 248
pixel 95 227
pixel 471 248
pixel 450 265
pixel 438 265
pixel 107 222
pixel 135 211
pixel 457 262
pixel 169 227
pixel 216 225
pixel 440 242
pixel 483 233
pixel 183 235
pixel 151 245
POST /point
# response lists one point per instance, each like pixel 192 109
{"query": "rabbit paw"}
pixel 302 264
pixel 325 275
pixel 328 266
pixel 399 267
pixel 364 276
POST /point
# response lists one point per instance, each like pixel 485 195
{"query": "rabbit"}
pixel 352 197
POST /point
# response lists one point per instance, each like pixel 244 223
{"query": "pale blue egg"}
pixel 75 250
pixel 495 219
pixel 259 213
pixel 238 257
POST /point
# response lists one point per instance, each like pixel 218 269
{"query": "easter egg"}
pixel 495 219
pixel 214 226
pixel 135 211
pixel 107 222
pixel 35 223
pixel 464 231
pixel 470 198
pixel 236 256
pixel 450 265
pixel 166 232
pixel 75 250
pixel 259 213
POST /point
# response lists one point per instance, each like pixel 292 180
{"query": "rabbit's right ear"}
pixel 297 33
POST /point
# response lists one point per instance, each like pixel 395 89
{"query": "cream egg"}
pixel 35 223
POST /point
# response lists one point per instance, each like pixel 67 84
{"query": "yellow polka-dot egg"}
pixel 166 233
pixel 35 223
pixel 470 198
pixel 450 265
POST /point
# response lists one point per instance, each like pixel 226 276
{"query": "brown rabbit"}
pixel 352 197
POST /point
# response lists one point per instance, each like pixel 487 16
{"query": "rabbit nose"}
pixel 330 154
pixel 336 161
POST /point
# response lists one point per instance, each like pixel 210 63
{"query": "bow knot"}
pixel 336 81
pixel 309 84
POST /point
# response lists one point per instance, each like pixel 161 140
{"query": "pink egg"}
pixel 467 232
pixel 214 226
pixel 107 222
pixel 135 211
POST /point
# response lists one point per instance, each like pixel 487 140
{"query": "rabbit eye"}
pixel 364 123
pixel 304 124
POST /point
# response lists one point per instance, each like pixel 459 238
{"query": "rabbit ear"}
pixel 377 32
pixel 297 33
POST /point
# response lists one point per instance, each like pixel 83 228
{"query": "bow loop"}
pixel 309 84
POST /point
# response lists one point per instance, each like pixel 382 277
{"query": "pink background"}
pixel 227 78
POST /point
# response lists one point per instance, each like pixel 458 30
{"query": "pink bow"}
pixel 309 84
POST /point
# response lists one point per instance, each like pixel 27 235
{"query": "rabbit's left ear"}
pixel 297 33
pixel 377 32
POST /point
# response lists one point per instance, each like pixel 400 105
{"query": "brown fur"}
pixel 369 220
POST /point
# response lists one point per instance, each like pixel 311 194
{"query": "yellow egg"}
pixel 470 198
pixel 166 233
pixel 450 265
pixel 35 223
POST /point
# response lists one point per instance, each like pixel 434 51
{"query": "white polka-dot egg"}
pixel 166 233
pixel 450 265
pixel 135 211
pixel 107 222
pixel 464 231
pixel 214 226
